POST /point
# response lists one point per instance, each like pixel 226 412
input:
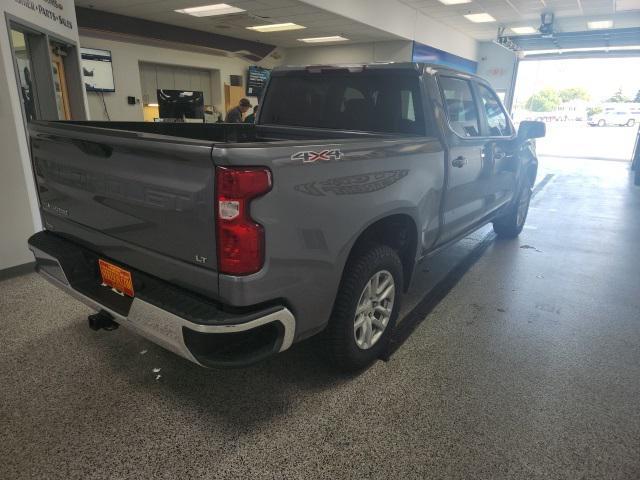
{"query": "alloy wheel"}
pixel 374 309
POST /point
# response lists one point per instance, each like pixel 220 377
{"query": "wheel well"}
pixel 398 232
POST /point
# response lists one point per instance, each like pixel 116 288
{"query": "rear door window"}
pixel 497 120
pixel 460 105
pixel 370 101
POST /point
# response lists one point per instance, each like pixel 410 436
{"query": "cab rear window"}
pixel 382 101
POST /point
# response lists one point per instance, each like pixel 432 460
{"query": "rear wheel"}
pixel 602 123
pixel 511 223
pixel 631 122
pixel 366 308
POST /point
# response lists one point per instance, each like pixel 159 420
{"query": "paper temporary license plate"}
pixel 116 277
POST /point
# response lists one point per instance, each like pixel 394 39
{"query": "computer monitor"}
pixel 180 104
pixel 97 73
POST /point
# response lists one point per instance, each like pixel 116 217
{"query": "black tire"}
pixel 602 123
pixel 636 177
pixel 344 352
pixel 631 122
pixel 510 224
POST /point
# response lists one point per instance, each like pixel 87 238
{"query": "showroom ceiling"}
pixel 318 22
pixel 570 15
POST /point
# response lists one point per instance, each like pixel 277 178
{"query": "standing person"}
pixel 235 114
pixel 251 118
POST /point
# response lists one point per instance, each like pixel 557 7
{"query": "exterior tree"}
pixel 618 97
pixel 574 93
pixel 545 100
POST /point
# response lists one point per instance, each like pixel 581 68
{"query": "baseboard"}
pixel 16 271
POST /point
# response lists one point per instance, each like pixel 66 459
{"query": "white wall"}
pixel 19 215
pixel 396 17
pixel 394 51
pixel 126 57
pixel 498 65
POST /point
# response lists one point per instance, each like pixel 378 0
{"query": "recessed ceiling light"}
pixel 597 25
pixel 210 10
pixel 523 30
pixel 454 2
pixel 276 27
pixel 623 5
pixel 479 17
pixel 334 38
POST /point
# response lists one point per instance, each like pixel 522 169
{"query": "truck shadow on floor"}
pixel 250 396
pixel 283 383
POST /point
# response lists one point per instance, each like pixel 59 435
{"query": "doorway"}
pixel 47 75
pixel 591 105
pixel 58 52
pixel 24 69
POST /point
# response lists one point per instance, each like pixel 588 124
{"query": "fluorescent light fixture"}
pixel 152 105
pixel 523 30
pixel 334 38
pixel 454 2
pixel 479 17
pixel 210 10
pixel 599 24
pixel 276 27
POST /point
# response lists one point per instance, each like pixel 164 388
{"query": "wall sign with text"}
pixel 256 80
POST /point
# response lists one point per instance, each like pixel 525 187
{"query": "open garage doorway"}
pixel 591 106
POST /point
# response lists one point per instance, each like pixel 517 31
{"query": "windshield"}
pixel 370 101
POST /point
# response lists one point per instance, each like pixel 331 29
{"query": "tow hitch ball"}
pixel 102 320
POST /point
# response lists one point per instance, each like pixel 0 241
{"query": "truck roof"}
pixel 416 66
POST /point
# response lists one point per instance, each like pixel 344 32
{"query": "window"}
pixel 408 112
pixel 461 108
pixel 370 101
pixel 496 117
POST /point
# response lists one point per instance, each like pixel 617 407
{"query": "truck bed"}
pixel 217 132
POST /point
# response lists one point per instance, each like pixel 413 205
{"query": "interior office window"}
pixel 25 73
pixel 496 117
pixel 461 108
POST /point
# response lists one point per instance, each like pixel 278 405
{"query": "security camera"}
pixel 546 24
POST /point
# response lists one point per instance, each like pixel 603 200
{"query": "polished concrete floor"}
pixel 528 367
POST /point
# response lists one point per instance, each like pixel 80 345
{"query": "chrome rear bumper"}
pixel 161 326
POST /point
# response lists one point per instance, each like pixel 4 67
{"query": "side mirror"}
pixel 531 129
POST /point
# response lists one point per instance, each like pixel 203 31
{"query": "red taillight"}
pixel 240 239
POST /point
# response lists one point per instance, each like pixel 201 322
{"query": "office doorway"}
pixel 47 75
pixel 61 90
pixel 24 73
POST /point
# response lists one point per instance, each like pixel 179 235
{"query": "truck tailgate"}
pixel 144 192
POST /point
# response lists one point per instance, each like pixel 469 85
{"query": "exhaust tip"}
pixel 102 320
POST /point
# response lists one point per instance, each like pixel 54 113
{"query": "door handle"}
pixel 459 162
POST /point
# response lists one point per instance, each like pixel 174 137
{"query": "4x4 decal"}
pixel 309 156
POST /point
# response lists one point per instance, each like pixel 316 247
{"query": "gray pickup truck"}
pixel 226 243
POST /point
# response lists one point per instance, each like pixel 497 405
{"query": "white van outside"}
pixel 620 116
